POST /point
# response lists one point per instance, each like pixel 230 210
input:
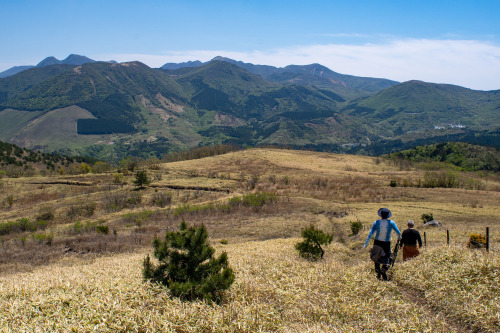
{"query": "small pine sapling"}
pixel 426 217
pixel 187 265
pixel 356 227
pixel 310 248
pixel 141 179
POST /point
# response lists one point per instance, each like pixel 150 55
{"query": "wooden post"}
pixel 448 237
pixel 487 239
pixel 425 239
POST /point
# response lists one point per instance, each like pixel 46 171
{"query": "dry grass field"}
pixel 61 271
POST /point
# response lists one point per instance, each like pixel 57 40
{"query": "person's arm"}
pixel 395 227
pixel 372 231
pixel 404 236
pixel 419 239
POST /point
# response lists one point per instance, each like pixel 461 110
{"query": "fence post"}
pixel 425 239
pixel 448 237
pixel 487 239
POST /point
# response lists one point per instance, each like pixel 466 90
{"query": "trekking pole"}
pixel 447 237
pixel 487 239
pixel 425 239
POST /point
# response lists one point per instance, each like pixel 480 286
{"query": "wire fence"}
pixel 482 241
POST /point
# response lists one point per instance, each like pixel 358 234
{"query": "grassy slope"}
pixel 12 121
pixel 275 290
pixel 56 128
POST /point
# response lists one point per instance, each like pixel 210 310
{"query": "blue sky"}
pixel 456 42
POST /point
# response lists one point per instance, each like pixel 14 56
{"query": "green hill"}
pixel 130 105
pixel 419 106
pixel 466 156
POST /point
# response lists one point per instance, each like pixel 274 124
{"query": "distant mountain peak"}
pixel 72 59
pixel 75 59
pixel 48 62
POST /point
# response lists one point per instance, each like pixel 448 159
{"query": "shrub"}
pixel 10 200
pixel 356 227
pixel 78 227
pixel 88 209
pixel 427 217
pixel 476 241
pixel 45 214
pixel 134 199
pixel 101 167
pixel 162 199
pixel 73 211
pixel 102 229
pixel 252 182
pixel 138 218
pixel 21 225
pixel 310 248
pixel 258 200
pixel 118 178
pixel 393 183
pixel 187 265
pixel 115 202
pixel 43 238
pixel 141 179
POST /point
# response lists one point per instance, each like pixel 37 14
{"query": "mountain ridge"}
pixel 132 105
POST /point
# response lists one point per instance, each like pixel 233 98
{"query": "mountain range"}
pixel 109 110
pixel 72 59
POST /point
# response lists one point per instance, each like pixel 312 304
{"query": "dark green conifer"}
pixel 141 179
pixel 310 248
pixel 187 265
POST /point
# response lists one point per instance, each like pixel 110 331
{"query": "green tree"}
pixel 141 179
pixel 310 248
pixel 101 167
pixel 187 265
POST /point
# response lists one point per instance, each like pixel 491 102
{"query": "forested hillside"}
pixel 466 156
pixel 16 161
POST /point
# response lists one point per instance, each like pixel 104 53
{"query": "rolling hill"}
pixel 73 248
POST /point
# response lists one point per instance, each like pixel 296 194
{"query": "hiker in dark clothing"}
pixel 409 241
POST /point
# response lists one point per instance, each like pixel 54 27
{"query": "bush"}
pixel 118 178
pixel 162 199
pixel 88 209
pixel 102 229
pixel 356 227
pixel 393 183
pixel 141 179
pixel 43 238
pixel 310 248
pixel 22 225
pixel 78 227
pixel 9 200
pixel 477 241
pixel 427 217
pixel 115 202
pixel 138 218
pixel 45 215
pixel 258 200
pixel 187 265
pixel 134 199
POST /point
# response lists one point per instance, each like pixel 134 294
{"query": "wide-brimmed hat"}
pixel 384 210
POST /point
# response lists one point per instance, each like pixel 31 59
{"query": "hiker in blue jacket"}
pixel 381 250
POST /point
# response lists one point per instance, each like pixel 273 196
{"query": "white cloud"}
pixel 468 63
